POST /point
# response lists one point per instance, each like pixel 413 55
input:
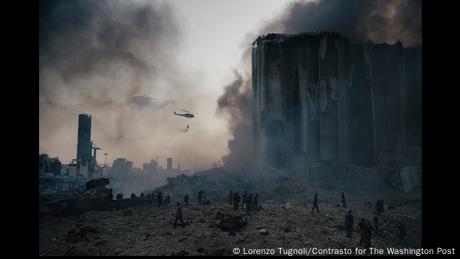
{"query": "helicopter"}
pixel 187 114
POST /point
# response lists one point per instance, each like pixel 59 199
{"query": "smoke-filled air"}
pixel 203 127
pixel 117 61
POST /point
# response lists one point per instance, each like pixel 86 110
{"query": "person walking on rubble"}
pixel 349 220
pixel 376 224
pixel 249 202
pixel 315 203
pixel 200 194
pixel 368 235
pixel 236 201
pixel 402 234
pixel 186 200
pixel 344 203
pixel 160 199
pixel 230 198
pixel 154 198
pixel 243 202
pixel 361 229
pixel 203 197
pixel 167 200
pixel 179 215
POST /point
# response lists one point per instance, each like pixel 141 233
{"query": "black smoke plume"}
pixel 236 104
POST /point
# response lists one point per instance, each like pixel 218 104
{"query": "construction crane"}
pixel 94 152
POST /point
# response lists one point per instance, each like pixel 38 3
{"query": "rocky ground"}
pixel 148 230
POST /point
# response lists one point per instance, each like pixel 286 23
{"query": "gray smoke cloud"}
pixel 235 103
pixel 117 61
pixel 360 20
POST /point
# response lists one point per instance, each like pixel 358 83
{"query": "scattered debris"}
pixel 263 231
pixel 229 222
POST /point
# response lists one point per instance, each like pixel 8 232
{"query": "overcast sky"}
pixel 198 45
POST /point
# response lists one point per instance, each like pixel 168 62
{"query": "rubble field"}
pixel 216 229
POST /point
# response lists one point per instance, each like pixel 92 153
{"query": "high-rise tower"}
pixel 84 154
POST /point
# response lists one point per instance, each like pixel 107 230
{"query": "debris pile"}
pixel 230 223
pixel 98 189
pixel 97 196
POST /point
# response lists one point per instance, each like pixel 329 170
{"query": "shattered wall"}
pixel 320 97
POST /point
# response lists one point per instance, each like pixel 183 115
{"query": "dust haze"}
pixel 116 60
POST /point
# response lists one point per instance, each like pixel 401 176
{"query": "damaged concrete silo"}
pixel 320 97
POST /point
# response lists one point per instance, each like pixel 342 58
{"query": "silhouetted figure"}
pixel 249 202
pixel 236 201
pixel 368 235
pixel 244 199
pixel 160 199
pixel 119 196
pixel 167 200
pixel 402 234
pixel 361 229
pixel 315 203
pixel 230 198
pixel 133 196
pixel 179 215
pixel 380 207
pixel 154 198
pixel 344 203
pixel 203 197
pixel 349 220
pixel 186 200
pixel 142 195
pixel 376 224
pixel 200 197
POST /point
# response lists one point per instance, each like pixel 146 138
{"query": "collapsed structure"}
pixel 320 97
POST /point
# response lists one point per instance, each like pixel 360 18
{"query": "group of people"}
pixel 160 200
pixel 119 196
pixel 157 199
pixel 248 202
pixel 365 227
